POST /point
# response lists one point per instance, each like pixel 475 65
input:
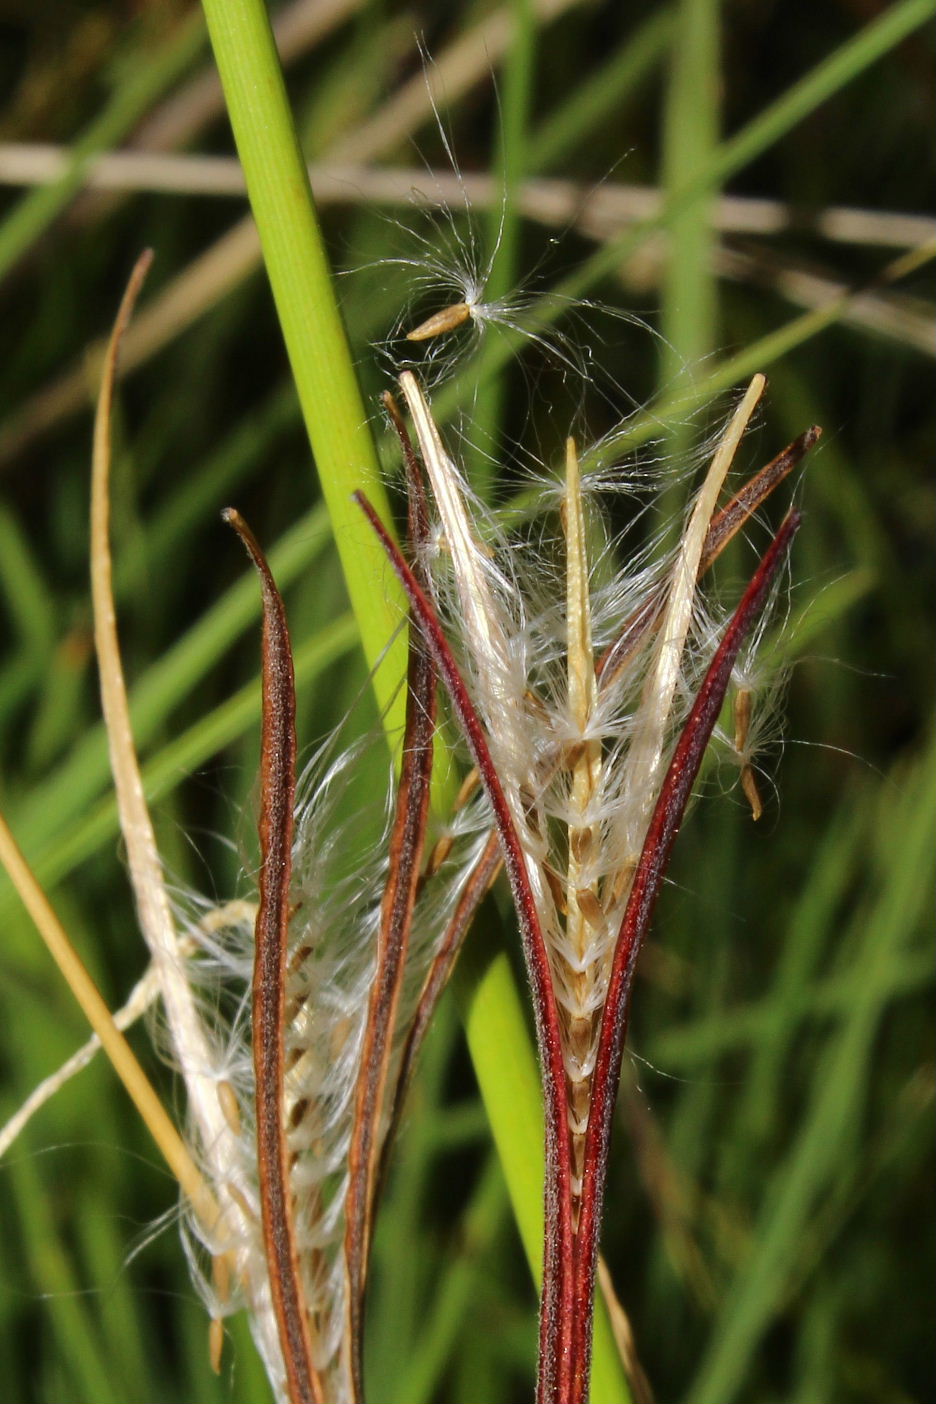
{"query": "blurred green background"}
pixel 769 1214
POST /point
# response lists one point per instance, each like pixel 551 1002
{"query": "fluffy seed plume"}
pixel 588 767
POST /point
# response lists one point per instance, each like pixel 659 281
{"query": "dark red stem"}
pixel 407 839
pixel 406 846
pixel 661 835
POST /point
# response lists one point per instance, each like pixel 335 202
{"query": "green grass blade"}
pixel 300 279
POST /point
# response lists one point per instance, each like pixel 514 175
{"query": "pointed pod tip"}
pixel 233 518
pixel 252 545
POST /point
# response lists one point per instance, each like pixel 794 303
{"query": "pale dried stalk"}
pixel 153 908
pixel 645 757
pixel 117 1048
pixel 231 1233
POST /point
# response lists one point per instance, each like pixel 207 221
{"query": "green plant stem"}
pixel 300 279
